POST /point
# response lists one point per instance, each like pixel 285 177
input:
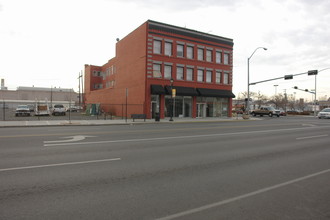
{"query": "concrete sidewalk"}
pixel 112 122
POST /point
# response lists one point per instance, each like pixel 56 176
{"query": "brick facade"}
pixel 204 87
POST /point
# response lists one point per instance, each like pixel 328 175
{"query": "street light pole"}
pixel 248 78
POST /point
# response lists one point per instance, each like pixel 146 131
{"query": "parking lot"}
pixel 9 115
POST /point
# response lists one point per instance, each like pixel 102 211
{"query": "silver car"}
pixel 325 113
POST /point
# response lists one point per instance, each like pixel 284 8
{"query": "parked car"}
pixel 282 112
pixel 72 109
pixel 22 110
pixel 325 113
pixel 58 110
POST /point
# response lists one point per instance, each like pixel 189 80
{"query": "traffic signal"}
pixel 312 72
pixel 288 77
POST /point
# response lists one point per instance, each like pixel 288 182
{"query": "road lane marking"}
pixel 310 137
pixel 308 125
pixel 244 196
pixel 145 130
pixel 178 137
pixel 73 139
pixel 59 164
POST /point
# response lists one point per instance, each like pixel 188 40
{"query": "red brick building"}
pixel 199 64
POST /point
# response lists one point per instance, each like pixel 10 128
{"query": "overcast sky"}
pixel 47 42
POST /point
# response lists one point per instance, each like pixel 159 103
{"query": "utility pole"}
pixel 79 90
pixel 285 100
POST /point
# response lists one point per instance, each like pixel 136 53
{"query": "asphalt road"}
pixel 276 168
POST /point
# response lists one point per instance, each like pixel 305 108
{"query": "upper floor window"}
pixel 226 58
pixel 200 75
pixel 179 50
pixel 157 70
pixel 190 52
pixel 190 74
pixel 98 86
pixel 200 54
pixel 226 78
pixel 218 57
pixel 168 49
pixel 208 76
pixel 209 55
pixel 97 73
pixel 157 46
pixel 179 73
pixel 168 72
pixel 218 77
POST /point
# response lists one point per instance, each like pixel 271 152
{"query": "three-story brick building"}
pixel 155 57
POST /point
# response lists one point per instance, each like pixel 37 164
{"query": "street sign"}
pixel 173 93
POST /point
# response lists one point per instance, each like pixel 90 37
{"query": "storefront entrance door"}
pixel 201 110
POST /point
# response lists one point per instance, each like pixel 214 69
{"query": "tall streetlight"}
pixel 275 89
pixel 248 92
pixel 275 95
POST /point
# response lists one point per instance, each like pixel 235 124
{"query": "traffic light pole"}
pixel 286 77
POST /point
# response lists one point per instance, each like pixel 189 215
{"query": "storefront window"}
pixel 212 107
pixel 181 106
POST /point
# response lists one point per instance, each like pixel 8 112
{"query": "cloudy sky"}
pixel 46 42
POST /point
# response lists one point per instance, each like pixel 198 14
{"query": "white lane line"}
pixel 180 137
pixel 310 137
pixel 234 199
pixel 59 164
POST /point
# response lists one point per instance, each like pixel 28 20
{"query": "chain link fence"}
pixel 89 111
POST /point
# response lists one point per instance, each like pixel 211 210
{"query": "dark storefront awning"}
pixel 182 91
pixel 157 90
pixel 215 93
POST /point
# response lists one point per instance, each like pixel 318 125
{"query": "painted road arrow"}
pixel 72 139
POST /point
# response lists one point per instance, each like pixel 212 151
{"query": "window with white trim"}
pixel 200 75
pixel 168 49
pixel 218 77
pixel 226 58
pixel 168 72
pixel 190 52
pixel 200 54
pixel 157 70
pixel 218 55
pixel 190 74
pixel 209 55
pixel 179 73
pixel 225 78
pixel 208 76
pixel 180 50
pixel 157 46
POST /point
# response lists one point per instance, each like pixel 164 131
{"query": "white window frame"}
pixel 157 47
pixel 168 49
pixel 209 56
pixel 226 78
pixel 200 54
pixel 180 50
pixel 200 75
pixel 217 77
pixel 157 70
pixel 167 72
pixel 179 73
pixel 208 76
pixel 226 59
pixel 190 52
pixel 218 56
pixel 189 74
